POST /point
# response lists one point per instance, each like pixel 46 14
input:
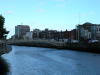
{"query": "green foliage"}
pixel 3 31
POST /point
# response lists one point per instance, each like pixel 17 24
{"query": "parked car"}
pixel 93 41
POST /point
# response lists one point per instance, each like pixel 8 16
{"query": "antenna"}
pixel 79 18
pixel 78 34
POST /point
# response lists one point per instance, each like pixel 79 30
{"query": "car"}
pixel 93 41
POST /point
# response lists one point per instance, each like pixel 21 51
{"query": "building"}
pixel 85 34
pixel 89 31
pixel 36 33
pixel 28 36
pixel 21 30
pixel 12 37
pixel 48 34
pixel 70 34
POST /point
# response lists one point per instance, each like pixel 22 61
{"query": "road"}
pixel 46 61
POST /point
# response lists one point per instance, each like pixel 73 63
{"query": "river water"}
pixel 46 61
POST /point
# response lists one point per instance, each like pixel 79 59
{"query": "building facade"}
pixel 28 36
pixel 36 33
pixel 21 30
pixel 89 31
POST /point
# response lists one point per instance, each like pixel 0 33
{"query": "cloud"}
pixel 59 0
pixel 40 10
pixel 60 5
pixel 8 12
pixel 89 13
pixel 42 3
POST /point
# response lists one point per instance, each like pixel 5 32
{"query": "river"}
pixel 46 61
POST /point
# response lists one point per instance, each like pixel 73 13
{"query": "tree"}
pixel 3 31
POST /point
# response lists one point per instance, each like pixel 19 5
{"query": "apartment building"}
pixel 21 30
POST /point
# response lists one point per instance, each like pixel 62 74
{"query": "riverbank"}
pixel 38 43
pixel 92 47
pixel 6 49
pixel 4 67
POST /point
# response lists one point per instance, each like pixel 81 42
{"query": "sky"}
pixel 51 14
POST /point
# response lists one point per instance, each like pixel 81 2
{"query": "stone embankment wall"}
pixel 37 43
pixel 87 47
pixel 4 48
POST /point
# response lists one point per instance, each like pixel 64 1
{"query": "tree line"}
pixel 3 31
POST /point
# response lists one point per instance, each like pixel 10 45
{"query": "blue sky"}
pixel 52 14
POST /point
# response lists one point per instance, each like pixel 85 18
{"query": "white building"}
pixel 28 36
pixel 89 31
pixel 85 34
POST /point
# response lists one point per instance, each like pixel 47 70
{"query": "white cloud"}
pixel 40 10
pixel 60 5
pixel 90 13
pixel 59 0
pixel 8 12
